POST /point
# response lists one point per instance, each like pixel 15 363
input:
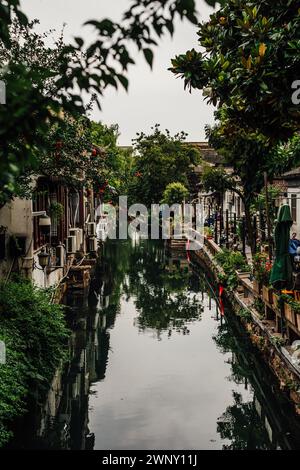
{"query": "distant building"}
pixel 228 201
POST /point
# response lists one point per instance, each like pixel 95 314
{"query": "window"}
pixel 294 207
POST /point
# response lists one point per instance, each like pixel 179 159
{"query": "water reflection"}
pixel 164 290
pixel 199 387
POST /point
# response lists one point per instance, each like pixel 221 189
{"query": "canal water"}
pixel 156 366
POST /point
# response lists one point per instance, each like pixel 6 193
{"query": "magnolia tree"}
pixel 248 70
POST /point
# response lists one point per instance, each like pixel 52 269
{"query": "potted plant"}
pixel 289 313
pixel 267 294
pixel 276 300
pixel 261 272
pixel 208 232
pixel 56 211
pixel 296 309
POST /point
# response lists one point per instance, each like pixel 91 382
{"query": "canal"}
pixel 156 366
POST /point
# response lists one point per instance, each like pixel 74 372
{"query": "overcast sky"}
pixel 154 96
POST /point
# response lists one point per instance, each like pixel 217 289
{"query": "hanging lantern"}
pixel 43 257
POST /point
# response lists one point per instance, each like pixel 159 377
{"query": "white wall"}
pixel 16 218
pixel 296 225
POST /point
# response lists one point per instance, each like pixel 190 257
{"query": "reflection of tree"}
pixel 228 343
pixel 162 297
pixel 241 425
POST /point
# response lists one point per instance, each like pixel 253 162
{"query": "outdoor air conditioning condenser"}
pixel 91 228
pixel 93 244
pixel 72 244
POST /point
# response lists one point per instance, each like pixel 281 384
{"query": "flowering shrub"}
pixel 262 268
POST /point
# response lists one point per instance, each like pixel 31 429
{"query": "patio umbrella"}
pixel 281 274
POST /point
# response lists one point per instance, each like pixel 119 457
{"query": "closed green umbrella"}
pixel 281 274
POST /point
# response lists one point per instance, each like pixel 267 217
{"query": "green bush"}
pixel 35 334
pixel 232 261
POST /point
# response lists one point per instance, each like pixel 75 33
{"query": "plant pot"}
pixel 243 274
pixel 276 301
pixel 267 294
pixel 297 318
pixel 256 286
pixel 289 313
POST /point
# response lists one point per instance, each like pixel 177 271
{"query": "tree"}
pixel 247 70
pixel 250 62
pixel 117 163
pixel 30 109
pixel 250 157
pixel 175 193
pixel 160 160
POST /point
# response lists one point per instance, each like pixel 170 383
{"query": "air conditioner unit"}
pixel 78 233
pixel 72 244
pixel 73 232
pixel 93 244
pixel 60 256
pixel 91 229
pixel 79 237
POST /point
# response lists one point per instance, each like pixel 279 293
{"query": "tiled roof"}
pixel 295 173
pixel 208 154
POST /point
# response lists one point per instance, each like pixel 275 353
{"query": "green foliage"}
pixel 56 210
pixel 285 298
pixel 35 336
pixel 278 341
pixel 250 60
pixel 216 179
pixel 259 306
pixel 41 81
pixel 259 204
pixel 175 193
pixel 116 167
pixel 245 314
pixel 231 262
pixel 160 160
